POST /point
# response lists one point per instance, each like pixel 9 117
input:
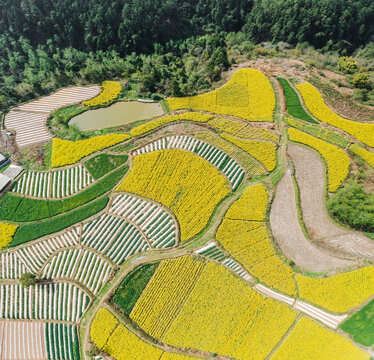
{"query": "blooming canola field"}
pixel 154 242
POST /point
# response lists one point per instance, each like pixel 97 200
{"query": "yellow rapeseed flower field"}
pixel 171 356
pixel 66 152
pixel 364 154
pixel 314 102
pixel 250 206
pixel 338 293
pixel 6 233
pixel 102 327
pixel 224 315
pixel 248 94
pixel 310 341
pixel 184 182
pixel 241 129
pixel 263 151
pixel 174 279
pixel 111 90
pixel 154 124
pixel 336 159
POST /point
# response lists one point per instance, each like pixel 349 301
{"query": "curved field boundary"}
pixel 310 176
pixel 215 156
pixel 289 236
pixel 53 184
pixel 28 120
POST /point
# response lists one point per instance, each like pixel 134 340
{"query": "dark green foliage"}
pixel 294 106
pixel 35 230
pixel 132 287
pixel 353 207
pixel 361 325
pixel 21 209
pixel 101 164
pixel 27 279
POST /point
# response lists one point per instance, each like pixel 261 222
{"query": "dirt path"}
pixel 289 236
pixel 310 176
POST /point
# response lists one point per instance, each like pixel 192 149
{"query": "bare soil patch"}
pixel 289 236
pixel 310 176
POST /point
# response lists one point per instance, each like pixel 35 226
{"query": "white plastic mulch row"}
pixel 55 184
pixel 11 266
pixel 237 269
pixel 215 156
pixel 157 224
pixel 59 301
pixel 35 255
pixel 29 120
pixel 114 237
pixel 81 265
pixel 22 340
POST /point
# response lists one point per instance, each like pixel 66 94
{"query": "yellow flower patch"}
pixel 314 102
pixel 364 154
pixel 111 90
pixel 7 232
pixel 310 341
pixel 154 124
pixel 248 94
pixel 66 152
pixel 184 182
pixel 263 151
pixel 337 160
pixel 102 327
pixel 338 293
pixel 250 206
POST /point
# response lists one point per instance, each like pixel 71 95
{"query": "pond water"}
pixel 118 114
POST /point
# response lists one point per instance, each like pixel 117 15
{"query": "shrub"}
pixel 347 64
pixel 361 80
pixel 28 279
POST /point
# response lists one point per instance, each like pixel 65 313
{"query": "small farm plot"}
pixel 215 156
pixel 11 267
pixel 35 255
pixel 59 301
pixel 114 237
pixel 152 219
pixel 54 184
pixel 23 340
pixel 81 265
pixel 212 251
pixel 61 341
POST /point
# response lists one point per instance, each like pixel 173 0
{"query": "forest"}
pixel 171 47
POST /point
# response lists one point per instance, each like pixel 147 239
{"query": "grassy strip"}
pixel 361 325
pixel 319 132
pixel 33 231
pixel 101 164
pixel 293 103
pixel 21 209
pixel 132 287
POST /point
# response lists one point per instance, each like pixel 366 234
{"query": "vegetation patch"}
pixel 36 230
pixel 361 325
pixel 132 287
pixel 101 164
pixel 294 106
pixel 22 209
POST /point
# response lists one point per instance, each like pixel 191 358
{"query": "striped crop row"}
pixel 215 156
pixel 116 238
pixel 81 265
pixel 154 221
pixel 54 184
pixel 11 266
pixel 58 301
pixel 35 255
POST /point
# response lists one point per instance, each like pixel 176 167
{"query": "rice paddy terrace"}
pixel 198 234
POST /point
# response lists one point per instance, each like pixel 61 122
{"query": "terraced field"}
pixel 196 235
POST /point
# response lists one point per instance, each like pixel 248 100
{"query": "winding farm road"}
pixel 289 236
pixel 310 176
